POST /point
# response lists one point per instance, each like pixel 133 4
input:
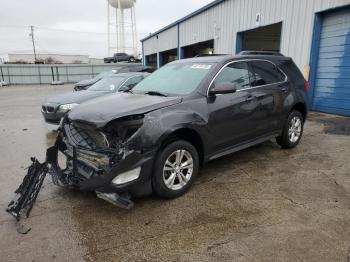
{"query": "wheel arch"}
pixel 187 134
pixel 301 107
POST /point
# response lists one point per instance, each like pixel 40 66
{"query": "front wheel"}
pixel 175 169
pixel 132 59
pixel 292 130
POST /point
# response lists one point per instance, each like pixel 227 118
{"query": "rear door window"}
pixel 265 73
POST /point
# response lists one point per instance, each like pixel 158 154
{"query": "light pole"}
pixel 32 35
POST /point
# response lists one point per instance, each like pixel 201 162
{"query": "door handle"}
pixel 249 98
pixel 284 89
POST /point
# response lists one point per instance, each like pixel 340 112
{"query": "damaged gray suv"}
pixel 155 137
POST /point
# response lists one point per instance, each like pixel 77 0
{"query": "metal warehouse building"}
pixel 315 33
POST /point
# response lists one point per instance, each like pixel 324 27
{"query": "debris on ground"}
pixel 27 192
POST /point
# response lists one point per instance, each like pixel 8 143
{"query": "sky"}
pixel 78 26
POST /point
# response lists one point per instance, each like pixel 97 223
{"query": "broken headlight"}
pixel 121 130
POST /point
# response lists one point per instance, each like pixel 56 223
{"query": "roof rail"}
pixel 260 53
pixel 205 55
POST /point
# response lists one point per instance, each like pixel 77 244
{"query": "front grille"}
pixel 48 109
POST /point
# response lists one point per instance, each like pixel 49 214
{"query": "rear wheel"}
pixel 292 130
pixel 175 169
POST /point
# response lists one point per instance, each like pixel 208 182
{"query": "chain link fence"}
pixel 46 74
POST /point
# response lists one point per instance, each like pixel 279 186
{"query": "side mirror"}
pixel 126 88
pixel 223 88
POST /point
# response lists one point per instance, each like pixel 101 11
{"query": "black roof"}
pixel 258 52
pixel 223 58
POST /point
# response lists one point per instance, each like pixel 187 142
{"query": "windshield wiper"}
pixel 155 93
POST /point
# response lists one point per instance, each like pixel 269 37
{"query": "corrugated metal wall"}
pixel 166 40
pixel 223 21
pixel 42 74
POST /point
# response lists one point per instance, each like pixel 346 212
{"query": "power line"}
pixel 60 30
pixel 14 26
pixel 71 31
pixel 52 29
pixel 74 31
pixel 40 28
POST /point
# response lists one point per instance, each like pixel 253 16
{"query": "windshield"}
pixel 174 79
pixel 107 84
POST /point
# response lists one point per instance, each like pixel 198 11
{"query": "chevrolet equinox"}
pixel 155 137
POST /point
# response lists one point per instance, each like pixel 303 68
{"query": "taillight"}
pixel 307 86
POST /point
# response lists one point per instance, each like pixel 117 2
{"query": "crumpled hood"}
pixel 76 97
pixel 102 110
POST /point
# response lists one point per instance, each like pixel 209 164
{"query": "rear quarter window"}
pixel 293 72
pixel 265 73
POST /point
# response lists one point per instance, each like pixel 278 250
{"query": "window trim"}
pixel 248 60
pixel 285 76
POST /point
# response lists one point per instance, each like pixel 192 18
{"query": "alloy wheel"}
pixel 294 131
pixel 178 169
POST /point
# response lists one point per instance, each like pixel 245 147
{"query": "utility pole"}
pixel 32 35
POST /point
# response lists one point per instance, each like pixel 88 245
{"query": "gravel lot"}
pixel 261 204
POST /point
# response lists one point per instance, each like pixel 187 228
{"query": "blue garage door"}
pixel 332 85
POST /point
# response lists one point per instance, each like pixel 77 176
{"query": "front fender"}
pixel 159 125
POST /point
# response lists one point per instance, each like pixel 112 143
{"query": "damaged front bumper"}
pixel 125 170
pixel 83 173
pixel 115 173
pixel 92 164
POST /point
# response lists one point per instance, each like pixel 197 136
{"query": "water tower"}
pixel 122 35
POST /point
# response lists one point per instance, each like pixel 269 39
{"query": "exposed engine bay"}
pixel 91 152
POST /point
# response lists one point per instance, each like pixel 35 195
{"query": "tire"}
pixel 160 176
pixel 131 59
pixel 287 140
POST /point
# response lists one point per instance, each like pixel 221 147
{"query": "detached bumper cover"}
pixel 28 191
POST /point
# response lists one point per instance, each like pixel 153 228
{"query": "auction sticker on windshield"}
pixel 201 66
